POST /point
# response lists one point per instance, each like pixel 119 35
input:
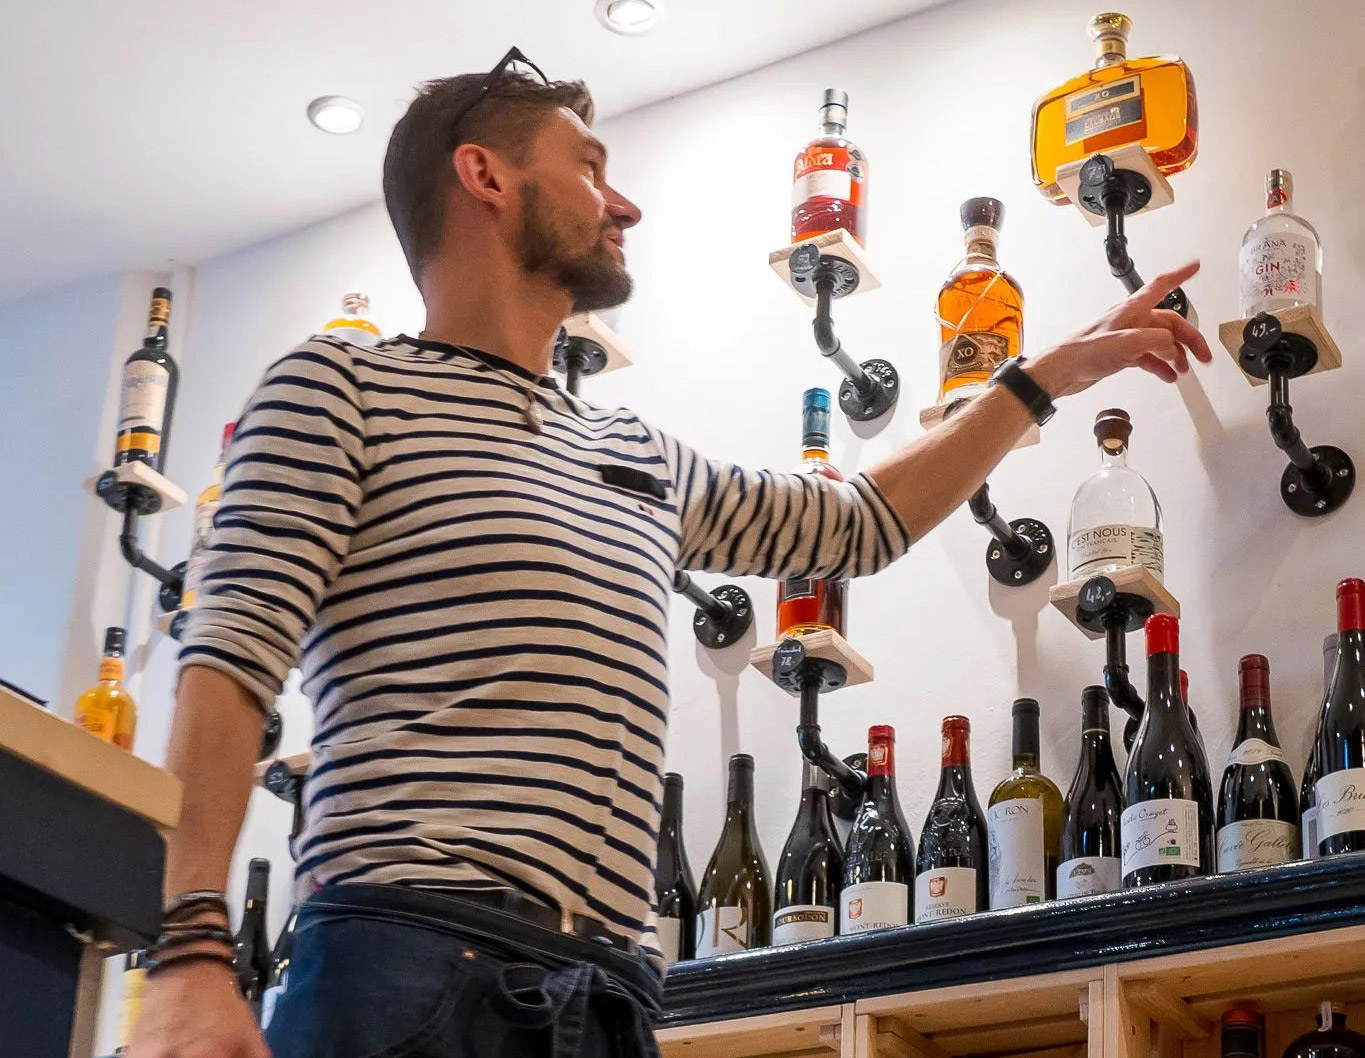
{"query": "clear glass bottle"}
pixel 1115 516
pixel 1280 263
pixel 1118 103
pixel 980 308
pixel 829 178
pixel 353 325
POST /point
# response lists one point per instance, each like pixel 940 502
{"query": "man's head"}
pixel 517 164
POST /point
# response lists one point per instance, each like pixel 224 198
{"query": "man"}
pixel 473 568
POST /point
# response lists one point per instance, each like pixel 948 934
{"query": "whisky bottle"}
pixel 205 508
pixel 353 325
pixel 106 710
pixel 805 604
pixel 980 308
pixel 1149 102
pixel 1115 516
pixel 829 179
pixel 1280 263
pixel 147 392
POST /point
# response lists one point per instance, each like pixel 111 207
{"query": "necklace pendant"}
pixel 534 419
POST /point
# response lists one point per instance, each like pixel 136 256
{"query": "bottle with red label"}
pixel 829 180
pixel 951 870
pixel 879 866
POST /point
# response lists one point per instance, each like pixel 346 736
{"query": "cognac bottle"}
pixel 1121 102
pixel 829 179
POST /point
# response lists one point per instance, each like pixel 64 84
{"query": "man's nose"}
pixel 625 212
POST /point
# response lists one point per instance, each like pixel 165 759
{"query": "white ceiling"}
pixel 137 131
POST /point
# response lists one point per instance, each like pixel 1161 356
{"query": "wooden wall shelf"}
pixel 1133 158
pixel 298 763
pixel 139 473
pixel 1305 321
pixel 833 244
pixel 827 644
pixel 1131 580
pixel 591 326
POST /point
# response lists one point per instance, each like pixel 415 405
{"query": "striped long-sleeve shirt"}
pixel 472 569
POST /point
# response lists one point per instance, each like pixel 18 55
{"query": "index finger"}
pixel 1149 297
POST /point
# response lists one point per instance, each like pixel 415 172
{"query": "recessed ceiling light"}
pixel 336 114
pixel 629 17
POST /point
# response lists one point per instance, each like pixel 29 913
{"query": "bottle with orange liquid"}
pixel 106 710
pixel 353 325
pixel 829 179
pixel 205 508
pixel 804 604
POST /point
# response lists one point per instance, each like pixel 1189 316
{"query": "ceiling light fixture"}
pixel 629 17
pixel 336 114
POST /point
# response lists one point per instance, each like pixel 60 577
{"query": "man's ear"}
pixel 481 173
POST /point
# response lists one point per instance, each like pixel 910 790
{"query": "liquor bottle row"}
pixel 1163 820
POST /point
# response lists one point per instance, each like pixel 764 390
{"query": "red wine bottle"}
pixel 810 871
pixel 879 866
pixel 1258 807
pixel 951 876
pixel 1242 1035
pixel 1341 732
pixel 1308 794
pixel 1090 816
pixel 675 893
pixel 1167 828
pixel 735 898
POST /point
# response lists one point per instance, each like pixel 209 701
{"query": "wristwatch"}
pixel 1031 395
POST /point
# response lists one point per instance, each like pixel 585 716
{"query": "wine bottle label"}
pixel 1160 832
pixel 1278 265
pixel 1310 833
pixel 130 1004
pixel 142 406
pixel 1341 803
pixel 669 932
pixel 945 892
pixel 822 183
pixel 1255 751
pixel 873 905
pixel 1088 875
pixel 723 931
pixel 1103 108
pixel 972 353
pixel 1018 875
pixel 269 998
pixel 1116 545
pixel 799 922
pixel 1256 843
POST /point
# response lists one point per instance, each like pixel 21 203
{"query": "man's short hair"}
pixel 417 169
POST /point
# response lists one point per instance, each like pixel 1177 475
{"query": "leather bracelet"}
pixel 175 929
pixel 192 936
pixel 155 966
pixel 188 904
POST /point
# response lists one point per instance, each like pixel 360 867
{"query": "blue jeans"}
pixel 382 971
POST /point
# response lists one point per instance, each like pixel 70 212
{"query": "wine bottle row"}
pixel 1161 820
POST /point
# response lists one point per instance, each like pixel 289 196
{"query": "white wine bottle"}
pixel 1024 821
pixel 735 900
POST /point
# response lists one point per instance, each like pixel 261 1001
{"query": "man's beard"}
pixel 591 274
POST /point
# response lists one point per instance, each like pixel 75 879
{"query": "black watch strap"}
pixel 1031 395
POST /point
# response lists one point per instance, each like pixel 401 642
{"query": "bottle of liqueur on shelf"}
pixel 1024 822
pixel 980 308
pixel 1280 263
pixel 1308 794
pixel 147 392
pixel 734 900
pixel 1167 826
pixel 107 710
pixel 1241 1035
pixel 278 978
pixel 1258 807
pixel 829 179
pixel 251 952
pixel 1331 1039
pixel 132 981
pixel 675 893
pixel 810 871
pixel 1119 103
pixel 1094 804
pixel 879 867
pixel 1115 516
pixel 1341 732
pixel 806 604
pixel 950 869
pixel 353 325
pixel 205 508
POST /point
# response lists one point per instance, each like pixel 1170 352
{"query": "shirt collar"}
pixel 488 360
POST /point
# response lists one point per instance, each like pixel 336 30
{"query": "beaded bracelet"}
pixel 156 965
pixel 189 904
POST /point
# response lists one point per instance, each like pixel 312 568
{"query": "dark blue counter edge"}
pixel 1301 897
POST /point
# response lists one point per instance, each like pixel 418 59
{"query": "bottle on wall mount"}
pixel 1258 807
pixel 251 952
pixel 1331 1039
pixel 1308 794
pixel 1115 517
pixel 675 893
pixel 205 508
pixel 1024 821
pixel 1280 262
pixel 147 389
pixel 808 604
pixel 829 178
pixel 1242 1034
pixel 734 900
pixel 879 866
pixel 810 871
pixel 951 877
pixel 1167 826
pixel 980 308
pixel 107 710
pixel 1120 102
pixel 1340 787
pixel 353 325
pixel 1094 804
